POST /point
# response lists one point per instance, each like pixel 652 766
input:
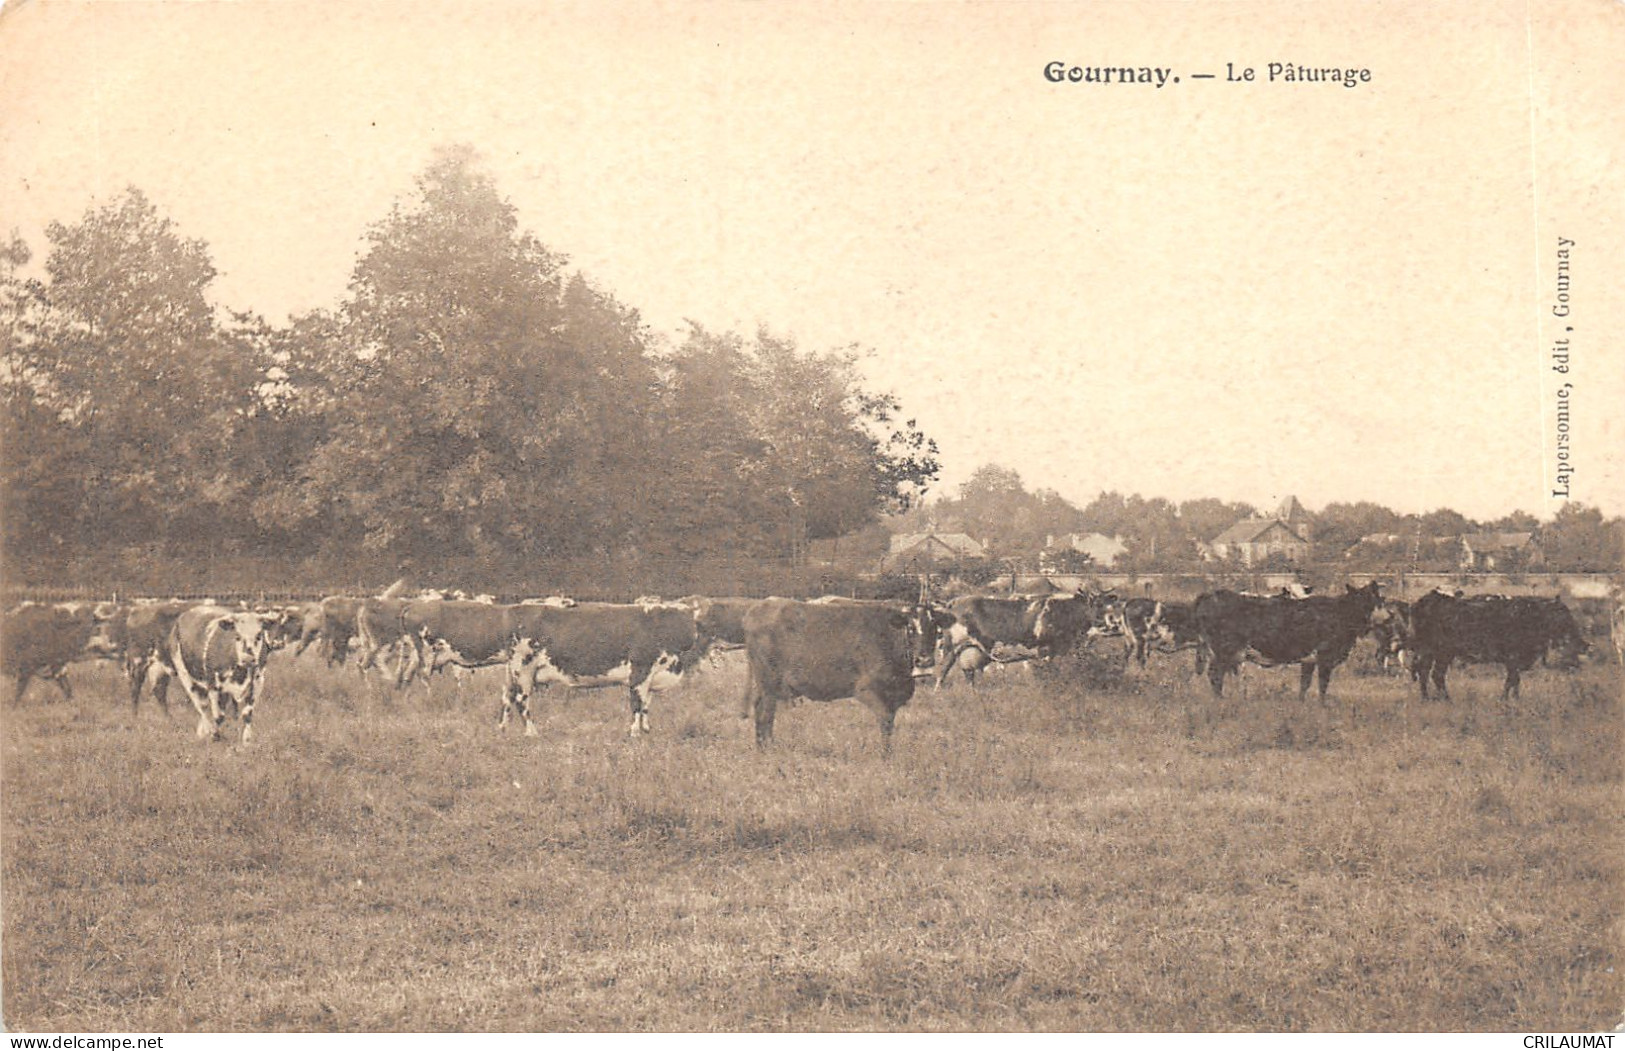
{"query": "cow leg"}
pixel 517 698
pixel 24 677
pixel 1440 667
pixel 158 681
pixel 1513 686
pixel 1216 668
pixel 1306 673
pixel 885 714
pixel 60 677
pixel 766 706
pixel 207 704
pixel 640 708
pixel 247 709
pixel 1325 669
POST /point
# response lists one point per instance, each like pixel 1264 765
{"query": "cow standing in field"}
pixel 828 652
pixel 1512 632
pixel 1046 624
pixel 217 653
pixel 40 641
pixel 591 644
pixel 1316 632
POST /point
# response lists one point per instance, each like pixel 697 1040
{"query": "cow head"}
pixel 1366 602
pixel 926 625
pixel 250 637
pixel 1562 633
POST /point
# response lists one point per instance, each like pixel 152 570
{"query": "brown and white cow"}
pixel 216 653
pixel 828 652
pixel 644 647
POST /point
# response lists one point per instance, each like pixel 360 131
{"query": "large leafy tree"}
pixel 132 391
pixel 481 401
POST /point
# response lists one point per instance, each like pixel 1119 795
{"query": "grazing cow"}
pixel 827 652
pixel 215 652
pixel 1512 632
pixel 593 644
pixel 1046 624
pixel 40 641
pixel 1316 632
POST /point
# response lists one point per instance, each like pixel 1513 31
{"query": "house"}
pixel 1102 550
pixel 1489 551
pixel 914 551
pixel 1254 540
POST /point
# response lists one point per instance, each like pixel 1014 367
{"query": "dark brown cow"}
pixel 1316 632
pixel 828 652
pixel 40 641
pixel 216 652
pixel 1512 632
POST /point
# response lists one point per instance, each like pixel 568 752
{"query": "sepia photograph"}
pixel 854 516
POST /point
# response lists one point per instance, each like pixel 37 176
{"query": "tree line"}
pixel 473 408
pixel 994 507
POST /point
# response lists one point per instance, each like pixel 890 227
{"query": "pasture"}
pixel 1031 857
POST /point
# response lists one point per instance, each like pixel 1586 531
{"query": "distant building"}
pixel 912 551
pixel 1252 540
pixel 1489 551
pixel 1256 539
pixel 1102 550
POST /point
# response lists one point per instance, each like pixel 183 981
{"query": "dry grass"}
pixel 1031 858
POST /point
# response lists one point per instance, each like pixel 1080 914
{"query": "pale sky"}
pixel 1207 288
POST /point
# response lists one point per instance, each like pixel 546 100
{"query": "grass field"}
pixel 1030 858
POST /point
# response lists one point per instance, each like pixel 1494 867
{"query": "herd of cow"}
pixel 824 649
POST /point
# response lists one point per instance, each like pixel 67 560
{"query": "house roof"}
pixel 1291 511
pixel 957 543
pixel 1497 541
pixel 1251 530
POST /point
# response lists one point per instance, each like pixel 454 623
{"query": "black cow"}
pixel 38 640
pixel 1316 632
pixel 830 651
pixel 1513 632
